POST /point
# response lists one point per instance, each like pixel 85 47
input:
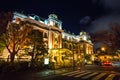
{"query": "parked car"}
pixel 107 63
pixel 116 64
pixel 97 62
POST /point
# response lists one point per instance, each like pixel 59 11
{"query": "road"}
pixel 87 72
pixel 90 72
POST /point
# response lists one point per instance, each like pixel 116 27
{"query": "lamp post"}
pixel 103 50
pixel 73 61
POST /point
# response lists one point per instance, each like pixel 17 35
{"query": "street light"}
pixel 103 49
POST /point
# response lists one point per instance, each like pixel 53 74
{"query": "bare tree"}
pixel 110 38
pixel 5 17
pixel 14 38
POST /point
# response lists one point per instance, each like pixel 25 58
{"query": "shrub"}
pixel 13 67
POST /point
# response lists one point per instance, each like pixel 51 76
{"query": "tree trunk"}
pixel 32 59
pixel 12 57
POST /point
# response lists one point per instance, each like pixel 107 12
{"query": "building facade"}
pixel 63 48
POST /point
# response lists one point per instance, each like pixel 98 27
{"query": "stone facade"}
pixel 63 48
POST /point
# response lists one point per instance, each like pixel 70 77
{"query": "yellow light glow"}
pixel 46 61
pixel 51 23
pixel 103 49
pixel 50 46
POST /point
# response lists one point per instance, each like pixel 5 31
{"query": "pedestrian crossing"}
pixel 92 75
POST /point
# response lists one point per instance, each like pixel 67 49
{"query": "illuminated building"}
pixel 80 45
pixel 63 48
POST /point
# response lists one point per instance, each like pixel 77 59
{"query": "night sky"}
pixel 76 15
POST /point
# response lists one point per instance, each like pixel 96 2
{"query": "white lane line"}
pixel 88 76
pixel 99 76
pixel 71 72
pixel 110 77
pixel 82 74
pixel 76 73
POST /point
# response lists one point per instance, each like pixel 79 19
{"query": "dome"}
pixel 53 16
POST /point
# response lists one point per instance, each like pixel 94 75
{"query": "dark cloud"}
pixel 85 20
pixel 104 22
pixel 112 15
pixel 111 5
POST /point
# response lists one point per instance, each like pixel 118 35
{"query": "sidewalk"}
pixel 48 72
pixel 35 75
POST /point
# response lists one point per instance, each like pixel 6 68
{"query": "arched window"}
pixel 45 35
pixel 70 46
pixel 36 18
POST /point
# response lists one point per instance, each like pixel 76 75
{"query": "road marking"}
pixel 110 77
pixel 87 76
pixel 70 72
pixel 76 73
pixel 99 76
pixel 82 74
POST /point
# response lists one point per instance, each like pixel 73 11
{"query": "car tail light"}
pixel 105 63
pixel 109 63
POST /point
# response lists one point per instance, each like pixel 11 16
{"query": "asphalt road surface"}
pixel 87 72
